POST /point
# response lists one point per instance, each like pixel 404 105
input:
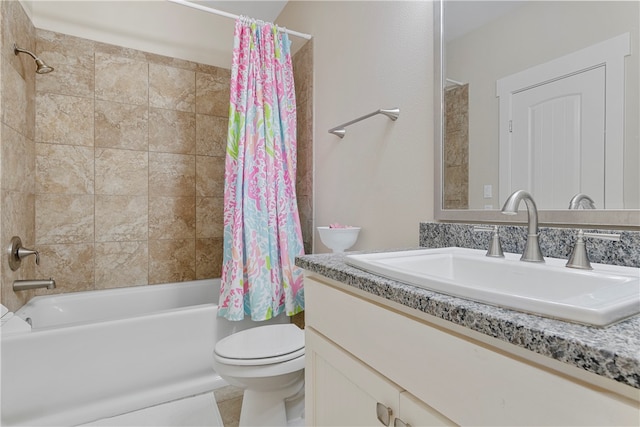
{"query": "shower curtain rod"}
pixel 232 16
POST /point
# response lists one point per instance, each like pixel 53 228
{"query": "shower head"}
pixel 41 67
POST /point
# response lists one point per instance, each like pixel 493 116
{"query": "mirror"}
pixel 491 136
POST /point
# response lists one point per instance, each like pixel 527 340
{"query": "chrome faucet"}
pixel 581 201
pixel 532 252
pixel 25 285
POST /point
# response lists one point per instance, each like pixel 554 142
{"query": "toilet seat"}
pixel 262 345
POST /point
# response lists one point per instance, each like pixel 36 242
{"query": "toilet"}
pixel 268 363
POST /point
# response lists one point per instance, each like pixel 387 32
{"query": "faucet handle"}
pixel 603 236
pixel 17 252
pixel 579 256
pixel 24 252
pixel 495 247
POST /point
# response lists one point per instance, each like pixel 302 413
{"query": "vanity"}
pixel 380 351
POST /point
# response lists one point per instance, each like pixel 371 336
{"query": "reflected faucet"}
pixel 581 201
pixel 532 252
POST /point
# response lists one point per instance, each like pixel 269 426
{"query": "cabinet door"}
pixel 414 413
pixel 342 391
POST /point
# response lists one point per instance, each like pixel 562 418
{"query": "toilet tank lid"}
pixel 261 342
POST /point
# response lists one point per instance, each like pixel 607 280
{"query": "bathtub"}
pixel 100 355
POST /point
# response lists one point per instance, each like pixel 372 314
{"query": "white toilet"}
pixel 268 363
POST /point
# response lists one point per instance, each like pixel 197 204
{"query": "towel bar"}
pixel 340 131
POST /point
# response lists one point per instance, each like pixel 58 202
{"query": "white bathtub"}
pixel 100 354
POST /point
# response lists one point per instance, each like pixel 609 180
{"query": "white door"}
pixel 568 125
pixel 557 140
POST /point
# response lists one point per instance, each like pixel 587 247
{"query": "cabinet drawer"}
pixel 467 381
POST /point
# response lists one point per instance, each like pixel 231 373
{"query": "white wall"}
pixel 370 55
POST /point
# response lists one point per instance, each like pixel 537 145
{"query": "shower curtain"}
pixel 262 234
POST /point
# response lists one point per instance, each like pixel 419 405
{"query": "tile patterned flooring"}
pixel 229 400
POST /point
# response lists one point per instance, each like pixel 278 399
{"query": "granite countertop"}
pixel 612 352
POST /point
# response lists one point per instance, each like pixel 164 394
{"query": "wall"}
pixel 370 55
pixel 129 165
pixel 455 155
pixel 17 146
pixel 303 76
pixel 484 55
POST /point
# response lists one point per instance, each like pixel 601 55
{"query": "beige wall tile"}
pixel 172 175
pixel 303 75
pixel 121 218
pixel 172 88
pixel 17 161
pixel 16 27
pixel 14 99
pixel 121 172
pixel 212 94
pixel 62 218
pixel 86 130
pixel 18 216
pixel 209 217
pixel 172 217
pixel 172 131
pixel 63 119
pixel 121 79
pixel 171 261
pixel 211 135
pixel 210 176
pixel 208 258
pixel 73 61
pixel 64 169
pixel 70 265
pixel 121 125
pixel 120 264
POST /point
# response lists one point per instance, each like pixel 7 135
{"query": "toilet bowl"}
pixel 268 363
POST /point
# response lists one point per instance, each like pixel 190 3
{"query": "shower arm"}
pixel 340 131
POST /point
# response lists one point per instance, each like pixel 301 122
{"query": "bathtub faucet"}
pixel 25 285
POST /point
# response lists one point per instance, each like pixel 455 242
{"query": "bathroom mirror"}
pixel 486 55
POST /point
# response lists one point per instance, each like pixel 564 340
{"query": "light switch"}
pixel 488 191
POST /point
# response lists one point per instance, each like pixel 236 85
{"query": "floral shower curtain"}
pixel 262 234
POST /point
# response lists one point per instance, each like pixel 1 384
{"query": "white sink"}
pixel 596 297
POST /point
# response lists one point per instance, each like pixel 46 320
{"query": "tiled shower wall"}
pixel 129 160
pixel 17 147
pixel 112 165
pixel 302 73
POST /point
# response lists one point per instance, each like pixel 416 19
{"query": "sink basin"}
pixel 597 297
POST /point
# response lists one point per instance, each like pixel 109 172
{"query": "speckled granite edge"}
pixel 612 352
pixel 554 242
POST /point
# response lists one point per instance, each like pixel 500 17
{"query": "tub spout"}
pixel 25 285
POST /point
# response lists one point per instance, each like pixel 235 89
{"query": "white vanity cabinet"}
pixel 364 353
pixel 347 392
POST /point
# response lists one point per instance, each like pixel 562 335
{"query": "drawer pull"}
pixel 383 413
pixel 399 423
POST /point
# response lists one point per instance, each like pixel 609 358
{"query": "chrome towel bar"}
pixel 340 131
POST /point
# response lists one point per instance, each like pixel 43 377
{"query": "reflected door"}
pixel 557 139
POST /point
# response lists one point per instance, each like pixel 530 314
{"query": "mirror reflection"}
pixel 541 96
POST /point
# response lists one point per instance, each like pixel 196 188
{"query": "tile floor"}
pixel 229 400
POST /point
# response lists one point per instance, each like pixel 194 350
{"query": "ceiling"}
pixel 156 26
pixel 265 10
pixel 462 17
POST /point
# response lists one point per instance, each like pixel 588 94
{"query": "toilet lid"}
pixel 262 342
